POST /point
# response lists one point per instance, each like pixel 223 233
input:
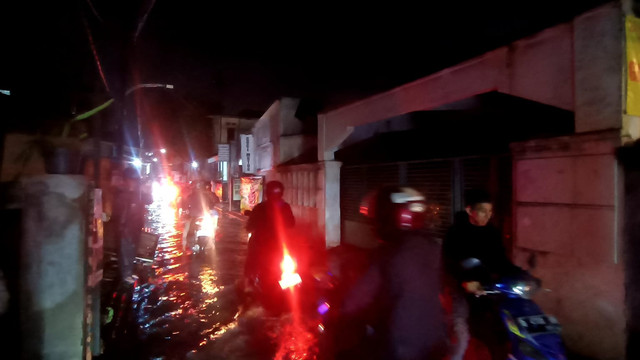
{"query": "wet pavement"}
pixel 188 301
pixel 190 307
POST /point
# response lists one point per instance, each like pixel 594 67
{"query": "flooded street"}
pixel 190 307
pixel 187 302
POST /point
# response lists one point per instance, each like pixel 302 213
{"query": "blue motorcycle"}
pixel 533 335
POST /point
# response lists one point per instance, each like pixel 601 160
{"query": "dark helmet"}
pixel 395 208
pixel 274 190
pixel 131 173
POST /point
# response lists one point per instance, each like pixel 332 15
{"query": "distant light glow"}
pixel 194 164
pixel 136 162
pixel 240 162
pixel 165 191
pixel 5 92
pixel 155 159
pixel 164 151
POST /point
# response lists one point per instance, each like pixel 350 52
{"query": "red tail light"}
pixel 290 277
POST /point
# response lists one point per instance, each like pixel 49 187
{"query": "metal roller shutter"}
pixel 441 181
pixel 476 173
pixel 357 181
pixel 434 180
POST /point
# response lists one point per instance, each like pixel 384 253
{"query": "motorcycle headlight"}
pixel 524 289
pixel 530 352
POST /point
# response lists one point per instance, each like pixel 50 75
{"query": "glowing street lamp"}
pixel 137 162
pixel 164 151
pixel 194 164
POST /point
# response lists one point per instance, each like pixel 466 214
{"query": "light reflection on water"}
pixel 182 305
pixel 191 307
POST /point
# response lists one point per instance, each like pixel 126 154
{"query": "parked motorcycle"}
pixel 533 335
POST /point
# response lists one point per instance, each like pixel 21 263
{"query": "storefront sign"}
pixel 250 191
pixel 633 65
pixel 247 152
pixel 223 152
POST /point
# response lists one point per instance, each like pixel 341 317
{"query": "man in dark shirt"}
pixel 472 236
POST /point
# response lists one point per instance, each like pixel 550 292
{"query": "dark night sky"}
pixel 239 58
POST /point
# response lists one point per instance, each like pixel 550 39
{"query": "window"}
pixel 231 134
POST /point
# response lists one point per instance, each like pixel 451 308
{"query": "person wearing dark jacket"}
pixel 398 297
pixel 268 223
pixel 472 236
pixel 129 210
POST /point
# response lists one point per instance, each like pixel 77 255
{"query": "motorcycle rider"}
pixel 268 223
pixel 472 236
pixel 199 202
pixel 398 297
pixel 129 216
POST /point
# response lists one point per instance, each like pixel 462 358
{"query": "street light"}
pixel 164 151
pixel 194 164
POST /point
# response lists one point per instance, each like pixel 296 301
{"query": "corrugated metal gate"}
pixel 442 181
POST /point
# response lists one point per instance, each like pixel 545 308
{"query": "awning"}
pixel 482 125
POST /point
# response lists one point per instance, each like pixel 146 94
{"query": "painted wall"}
pixel 568 213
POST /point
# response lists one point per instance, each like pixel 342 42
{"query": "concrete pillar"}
pixel 329 206
pixel 629 157
pixel 52 266
pixel 567 214
pixel 598 56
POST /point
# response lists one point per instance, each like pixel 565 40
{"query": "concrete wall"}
pixel 574 66
pixel 302 192
pixel 598 45
pixel 568 213
pixel 310 190
pixel 292 146
pixel 264 140
pixel 289 124
pixel 53 266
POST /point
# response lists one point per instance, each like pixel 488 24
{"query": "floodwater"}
pixel 191 307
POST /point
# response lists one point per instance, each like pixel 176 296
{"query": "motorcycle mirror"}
pixel 470 263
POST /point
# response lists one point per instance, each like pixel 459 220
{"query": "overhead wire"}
pixel 95 53
pixel 95 12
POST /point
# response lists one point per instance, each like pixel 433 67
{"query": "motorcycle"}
pixel 533 335
pixel 295 301
pixel 203 233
